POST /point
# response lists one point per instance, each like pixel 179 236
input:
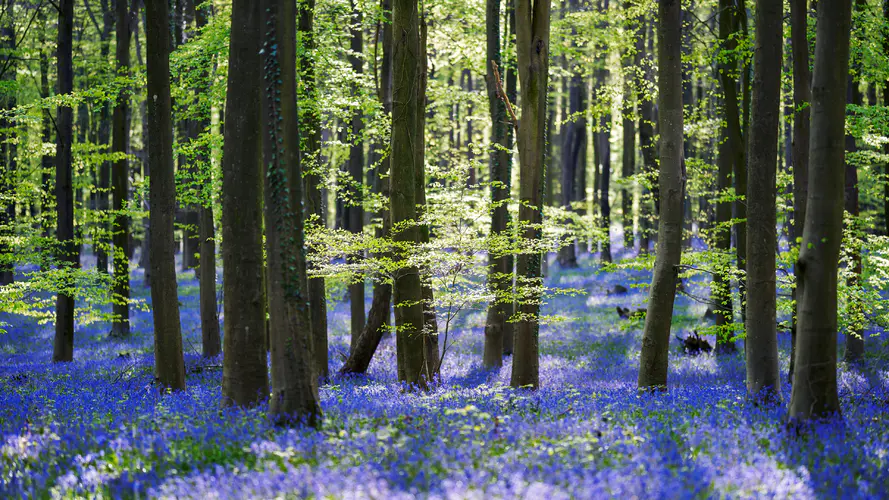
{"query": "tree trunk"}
pixel 646 142
pixel 802 98
pixel 854 353
pixel 763 380
pixel 497 327
pixel 573 146
pixel 378 321
pixel 120 234
pixel 245 371
pixel 512 82
pixel 532 50
pixel 628 155
pixel 407 290
pixel 671 180
pixel 356 172
pixel 7 149
pixel 168 358
pixel 310 127
pixel 721 287
pixel 603 153
pixel 814 392
pixel 104 137
pixel 63 348
pixel 294 381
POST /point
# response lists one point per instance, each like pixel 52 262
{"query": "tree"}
pixel 573 144
pixel 814 391
pixel 644 42
pixel 7 145
pixel 355 213
pixel 168 359
pixel 120 234
pixel 628 150
pixel 532 53
pixel 602 153
pixel 671 187
pixel 294 381
pixel 497 327
pixel 245 371
pixel 310 124
pixel 407 288
pixel 763 380
pixel 802 97
pixel 69 251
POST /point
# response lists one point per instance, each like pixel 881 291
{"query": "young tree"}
pixel 802 97
pixel 671 181
pixel 814 391
pixel 497 326
pixel 628 147
pixel 573 144
pixel 168 359
pixel 245 371
pixel 120 235
pixel 310 126
pixel 69 251
pixel 532 51
pixel 763 380
pixel 644 43
pixel 294 381
pixel 7 143
pixel 355 214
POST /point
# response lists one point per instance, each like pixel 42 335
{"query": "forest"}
pixel 444 249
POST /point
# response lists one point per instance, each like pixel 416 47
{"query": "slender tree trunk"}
pixel 512 82
pixel 294 379
pixel 573 146
pixel 497 328
pixel 854 353
pixel 763 380
pixel 532 50
pixel 802 98
pixel 69 251
pixel 407 290
pixel 168 358
pixel 721 286
pixel 603 152
pixel 646 142
pixel 815 372
pixel 310 129
pixel 378 321
pixel 7 149
pixel 671 179
pixel 356 172
pixel 47 164
pixel 245 371
pixel 628 155
pixel 120 235
pixel 104 137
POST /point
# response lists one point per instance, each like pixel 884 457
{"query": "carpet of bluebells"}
pixel 98 427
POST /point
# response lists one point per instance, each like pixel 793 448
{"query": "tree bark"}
pixel 104 137
pixel 294 380
pixel 356 172
pixel 646 143
pixel 310 128
pixel 497 327
pixel 802 98
pixel 573 146
pixel 814 391
pixel 763 380
pixel 854 353
pixel 69 251
pixel 7 149
pixel 168 358
pixel 244 371
pixel 532 51
pixel 120 229
pixel 628 155
pixel 671 180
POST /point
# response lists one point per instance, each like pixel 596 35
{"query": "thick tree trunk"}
pixel 356 172
pixel 378 320
pixel 245 371
pixel 63 347
pixel 120 229
pixel 802 98
pixel 763 380
pixel 168 358
pixel 815 372
pixel 294 379
pixel 671 179
pixel 497 327
pixel 407 290
pixel 310 128
pixel 532 50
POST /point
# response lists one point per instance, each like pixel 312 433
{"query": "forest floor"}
pixel 99 427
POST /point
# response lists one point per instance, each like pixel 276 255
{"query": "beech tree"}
pixel 814 391
pixel 763 380
pixel 671 188
pixel 532 55
pixel 245 379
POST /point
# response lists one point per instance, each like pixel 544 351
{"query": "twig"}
pixel 504 97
